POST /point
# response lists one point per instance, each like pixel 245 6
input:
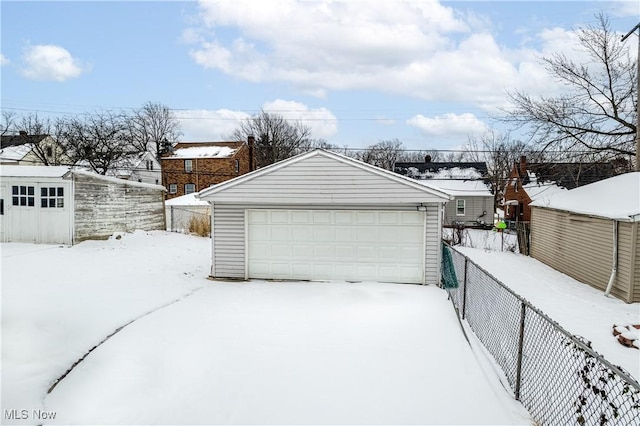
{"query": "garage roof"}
pixel 323 177
pixel 614 198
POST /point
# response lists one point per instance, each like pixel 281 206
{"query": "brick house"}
pixel 530 182
pixel 194 166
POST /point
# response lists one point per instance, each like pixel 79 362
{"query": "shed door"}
pixel 352 245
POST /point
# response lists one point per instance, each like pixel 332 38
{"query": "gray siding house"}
pixel 323 216
pixel 59 205
pixel 473 203
pixel 592 233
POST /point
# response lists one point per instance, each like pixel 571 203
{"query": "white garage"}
pixel 323 216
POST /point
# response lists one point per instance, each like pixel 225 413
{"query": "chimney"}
pixel 427 158
pixel 523 165
pixel 251 141
pixel 23 133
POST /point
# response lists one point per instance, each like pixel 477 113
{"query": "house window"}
pixel 189 188
pixel 149 165
pixel 460 207
pixel 237 166
pixel 23 196
pixel 49 151
pixel 52 197
pixel 173 188
pixel 188 166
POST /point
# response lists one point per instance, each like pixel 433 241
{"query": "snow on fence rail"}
pixel 556 375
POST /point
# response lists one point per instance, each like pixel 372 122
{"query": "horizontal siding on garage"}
pixel 228 235
pixel 579 246
pixel 636 257
pixel 432 246
pixel 320 180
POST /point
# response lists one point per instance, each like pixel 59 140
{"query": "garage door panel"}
pixel 336 245
pixel 344 218
pixel 366 218
pixel 323 233
pixel 300 216
pixel 322 217
pixel 345 234
pixel 323 252
pixel 281 251
pixel 345 252
pixel 367 234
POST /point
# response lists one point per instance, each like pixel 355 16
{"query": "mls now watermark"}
pixel 16 414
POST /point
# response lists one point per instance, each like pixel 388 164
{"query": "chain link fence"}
pixel 557 376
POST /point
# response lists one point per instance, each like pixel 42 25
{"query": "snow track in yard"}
pixel 116 331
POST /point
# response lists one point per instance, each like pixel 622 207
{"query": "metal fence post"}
pixel 172 220
pixel 523 310
pixel 464 289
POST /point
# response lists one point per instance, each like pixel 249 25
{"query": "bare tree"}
pixel 276 139
pixel 32 131
pixel 153 127
pixel 8 120
pixel 101 141
pixel 500 153
pixel 597 113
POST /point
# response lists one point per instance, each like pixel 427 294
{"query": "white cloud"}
pixel 50 62
pixel 4 60
pixel 200 125
pixel 418 48
pixel 449 126
pixel 322 122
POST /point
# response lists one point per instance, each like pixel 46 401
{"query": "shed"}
pixel 592 233
pixel 324 216
pixel 60 205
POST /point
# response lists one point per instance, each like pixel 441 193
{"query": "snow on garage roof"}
pixel 64 171
pixel 34 171
pixel 203 152
pixel 614 198
pixel 457 187
pixel 186 200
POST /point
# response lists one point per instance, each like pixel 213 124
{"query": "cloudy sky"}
pixel 430 73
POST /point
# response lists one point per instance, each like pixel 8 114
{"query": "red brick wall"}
pixel 206 171
pixel 514 191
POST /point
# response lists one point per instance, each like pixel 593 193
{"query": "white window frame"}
pixel 237 166
pixel 464 205
pixel 189 192
pixel 51 197
pixel 173 188
pixel 188 166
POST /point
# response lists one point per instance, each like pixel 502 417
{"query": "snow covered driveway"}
pixel 231 353
pixel 274 353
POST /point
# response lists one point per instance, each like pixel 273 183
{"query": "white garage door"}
pixel 352 245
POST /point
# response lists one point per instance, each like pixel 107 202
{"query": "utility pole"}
pixel 637 98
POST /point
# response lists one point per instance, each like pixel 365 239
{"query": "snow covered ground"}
pixel 577 307
pixel 228 353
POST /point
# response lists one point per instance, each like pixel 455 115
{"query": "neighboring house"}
pixel 31 150
pixel 473 204
pixel 192 167
pixel 541 181
pixel 180 211
pixel 142 168
pixel 324 216
pixel 60 205
pixel 592 233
